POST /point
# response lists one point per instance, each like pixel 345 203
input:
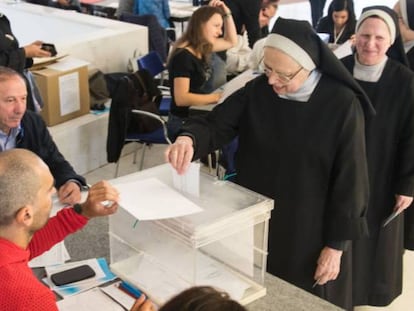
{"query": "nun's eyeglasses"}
pixel 284 78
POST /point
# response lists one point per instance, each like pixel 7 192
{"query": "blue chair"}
pixel 153 64
pixel 124 125
pixel 158 136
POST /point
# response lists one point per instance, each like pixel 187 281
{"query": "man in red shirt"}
pixel 26 188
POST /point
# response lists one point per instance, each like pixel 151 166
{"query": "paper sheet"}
pixel 237 83
pixel 93 299
pixel 122 298
pixel 190 181
pixel 69 63
pixel 151 199
pixel 58 254
pixel 69 94
pixel 343 50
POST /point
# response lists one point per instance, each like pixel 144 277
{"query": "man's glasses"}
pixel 284 78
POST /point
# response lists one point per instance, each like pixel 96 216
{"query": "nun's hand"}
pixel 329 265
pixel 180 153
pixel 402 202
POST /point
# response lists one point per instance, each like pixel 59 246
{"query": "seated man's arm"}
pixel 37 138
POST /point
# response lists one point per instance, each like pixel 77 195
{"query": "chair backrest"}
pixel 152 63
pixel 164 138
pixel 157 35
pixel 133 91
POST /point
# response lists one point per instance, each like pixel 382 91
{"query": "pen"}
pixel 316 283
pixel 391 217
pixel 130 290
pixel 107 203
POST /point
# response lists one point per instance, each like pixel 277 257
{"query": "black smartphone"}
pixel 50 48
pixel 72 275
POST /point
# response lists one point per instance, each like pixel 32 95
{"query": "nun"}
pixel 302 143
pixel 379 65
pixel 405 12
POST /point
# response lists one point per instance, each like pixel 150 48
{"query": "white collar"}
pixel 272 21
pixel 369 73
pixel 305 91
pixel 408 45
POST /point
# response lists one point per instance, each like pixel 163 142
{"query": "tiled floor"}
pixel 154 156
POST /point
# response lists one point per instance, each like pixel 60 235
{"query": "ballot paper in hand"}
pixel 190 181
pixel 150 198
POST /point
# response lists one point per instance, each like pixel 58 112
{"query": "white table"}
pixel 106 44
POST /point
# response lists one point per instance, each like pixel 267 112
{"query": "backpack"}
pixel 98 90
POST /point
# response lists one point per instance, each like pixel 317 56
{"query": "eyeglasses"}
pixel 284 78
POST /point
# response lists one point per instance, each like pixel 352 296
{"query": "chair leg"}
pixel 217 153
pixel 135 154
pixel 210 163
pixel 144 147
pixel 117 168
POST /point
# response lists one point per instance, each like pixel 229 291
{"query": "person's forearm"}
pixel 193 99
pixel 230 32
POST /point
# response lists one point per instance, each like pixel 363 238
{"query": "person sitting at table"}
pixel 26 189
pixel 301 140
pixel 201 298
pixel 159 8
pixel 60 4
pixel 339 23
pixel 256 55
pixel 189 61
pixel 268 16
pixel 22 128
pixel 19 58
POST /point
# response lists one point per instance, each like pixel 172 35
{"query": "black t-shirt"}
pixel 185 65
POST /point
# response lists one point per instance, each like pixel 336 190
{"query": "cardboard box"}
pixel 64 88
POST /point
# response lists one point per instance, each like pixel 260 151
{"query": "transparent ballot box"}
pixel 224 245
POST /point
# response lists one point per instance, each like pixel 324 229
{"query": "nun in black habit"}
pixel 302 143
pixel 379 65
pixel 405 11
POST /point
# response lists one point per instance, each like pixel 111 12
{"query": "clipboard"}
pixel 390 218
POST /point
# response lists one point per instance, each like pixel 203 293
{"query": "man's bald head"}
pixel 20 172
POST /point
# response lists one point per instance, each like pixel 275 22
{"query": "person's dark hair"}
pixel 202 298
pixel 266 3
pixel 194 36
pixel 343 5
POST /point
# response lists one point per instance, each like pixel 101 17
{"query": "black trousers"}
pixel 316 10
pixel 246 13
